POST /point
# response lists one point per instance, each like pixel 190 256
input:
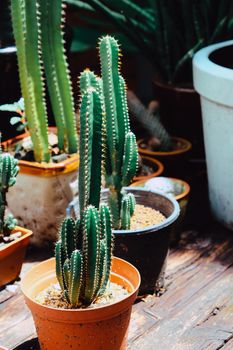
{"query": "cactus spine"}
pixel 84 251
pixel 38 35
pixel 122 156
pixel 8 172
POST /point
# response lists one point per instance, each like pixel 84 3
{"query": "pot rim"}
pixel 185 142
pixel 175 87
pixel 177 197
pixel 212 80
pixel 159 171
pixel 87 310
pixel 44 169
pixel 168 221
pixel 26 233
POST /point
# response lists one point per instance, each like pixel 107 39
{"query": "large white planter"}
pixel 214 83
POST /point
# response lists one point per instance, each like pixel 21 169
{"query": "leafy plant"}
pixel 84 251
pixel 8 172
pixel 38 33
pixel 168 32
pixel 19 120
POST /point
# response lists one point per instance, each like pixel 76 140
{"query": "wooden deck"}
pixel 194 313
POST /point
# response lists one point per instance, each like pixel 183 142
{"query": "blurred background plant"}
pixel 168 32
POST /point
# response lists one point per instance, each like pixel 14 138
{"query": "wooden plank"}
pixel 166 334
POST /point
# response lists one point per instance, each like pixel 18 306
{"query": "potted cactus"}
pixel 147 246
pixel 83 261
pixel 39 40
pixel 13 239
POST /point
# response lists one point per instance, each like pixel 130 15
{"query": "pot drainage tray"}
pixel 31 344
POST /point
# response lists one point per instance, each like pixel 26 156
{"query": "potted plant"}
pixel 168 33
pixel 38 35
pixel 177 188
pixel 92 304
pixel 154 140
pixel 142 246
pixel 13 239
pixel 213 76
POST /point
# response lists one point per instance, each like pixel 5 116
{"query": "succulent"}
pixel 149 121
pixel 121 146
pixel 84 251
pixel 8 172
pixel 37 27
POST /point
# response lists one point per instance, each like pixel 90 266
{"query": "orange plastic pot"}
pixel 12 256
pixel 43 169
pixel 155 164
pixel 174 161
pixel 103 328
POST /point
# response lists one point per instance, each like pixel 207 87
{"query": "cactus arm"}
pixel 68 236
pixel 107 241
pixel 125 213
pixel 25 19
pixel 66 274
pixel 124 107
pixel 85 148
pixel 130 163
pixel 56 70
pixel 87 80
pixel 59 256
pixel 132 203
pixel 91 249
pixel 76 277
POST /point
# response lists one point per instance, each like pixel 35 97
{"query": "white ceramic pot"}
pixel 214 83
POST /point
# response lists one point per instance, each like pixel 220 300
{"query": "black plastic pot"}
pixel 147 249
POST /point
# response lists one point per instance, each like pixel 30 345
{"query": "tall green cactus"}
pixel 8 172
pixel 122 156
pixel 26 27
pixel 37 27
pixel 57 72
pixel 84 251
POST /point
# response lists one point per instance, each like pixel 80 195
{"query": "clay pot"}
pixel 147 249
pixel 180 111
pixel 12 256
pixel 174 161
pixel 153 163
pixel 104 327
pixel 3 348
pixel 182 198
pixel 44 191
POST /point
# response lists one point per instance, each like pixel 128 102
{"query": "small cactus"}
pixel 84 250
pixel 8 172
pixel 122 155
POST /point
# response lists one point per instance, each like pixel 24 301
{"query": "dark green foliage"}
pixel 168 32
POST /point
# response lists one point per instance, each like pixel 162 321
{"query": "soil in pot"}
pixel 11 237
pixel 144 217
pixel 52 296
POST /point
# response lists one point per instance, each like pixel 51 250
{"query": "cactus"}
pixel 39 40
pixel 122 156
pixel 8 172
pixel 83 253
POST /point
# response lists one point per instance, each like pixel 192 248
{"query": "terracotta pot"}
pixel 147 249
pixel 3 348
pixel 12 256
pixel 85 329
pixel 180 111
pixel 174 161
pixel 153 163
pixel 181 198
pixel 44 191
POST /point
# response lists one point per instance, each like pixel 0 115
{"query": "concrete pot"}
pixel 213 80
pixel 41 195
